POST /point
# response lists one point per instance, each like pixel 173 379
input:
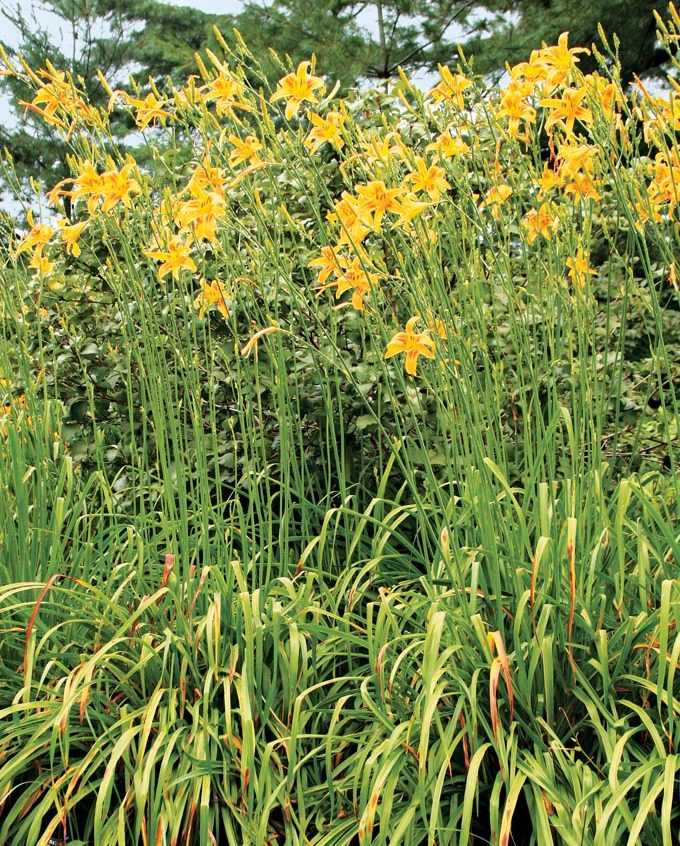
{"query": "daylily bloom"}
pixel 328 263
pixel 174 259
pixel 567 109
pixel 450 88
pixel 412 343
pixel 541 221
pixel 246 150
pixel 579 269
pixel 532 72
pixel 581 187
pixel 663 189
pixel 212 294
pixel 297 87
pixel 208 178
pixel 199 216
pixel 88 183
pixel 325 129
pixel 376 199
pixel 549 65
pixel 515 107
pixel 347 214
pixel 560 59
pixel 428 178
pixel 353 278
pixel 148 110
pixel 449 146
pixel 409 207
pixel 226 91
pixel 39 235
pixel 70 233
pixel 58 93
pixel 575 158
pixel 607 94
pixel 495 197
pixel 113 186
pixel 548 180
pixel 41 264
pixel 117 186
pixel 59 96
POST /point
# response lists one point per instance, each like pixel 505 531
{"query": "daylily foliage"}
pixel 338 462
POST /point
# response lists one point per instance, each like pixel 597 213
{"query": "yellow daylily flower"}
pixel 409 207
pixel 567 109
pixel 117 186
pixel 212 294
pixel 579 269
pixel 541 221
pixel 297 87
pixel 41 264
pixel 495 197
pixel 449 146
pixel 412 343
pixel 39 235
pixel 428 178
pixel 245 150
pixel 549 180
pixel 207 178
pixel 328 263
pixel 148 110
pixel 376 199
pixel 450 88
pixel 174 259
pixel 198 217
pixel 353 277
pixel 70 233
pixel 226 92
pixel 347 214
pixel 515 107
pixel 560 59
pixel 325 130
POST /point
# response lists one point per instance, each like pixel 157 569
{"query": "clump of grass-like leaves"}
pixel 338 465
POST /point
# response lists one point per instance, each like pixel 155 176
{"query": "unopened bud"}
pixel 444 539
